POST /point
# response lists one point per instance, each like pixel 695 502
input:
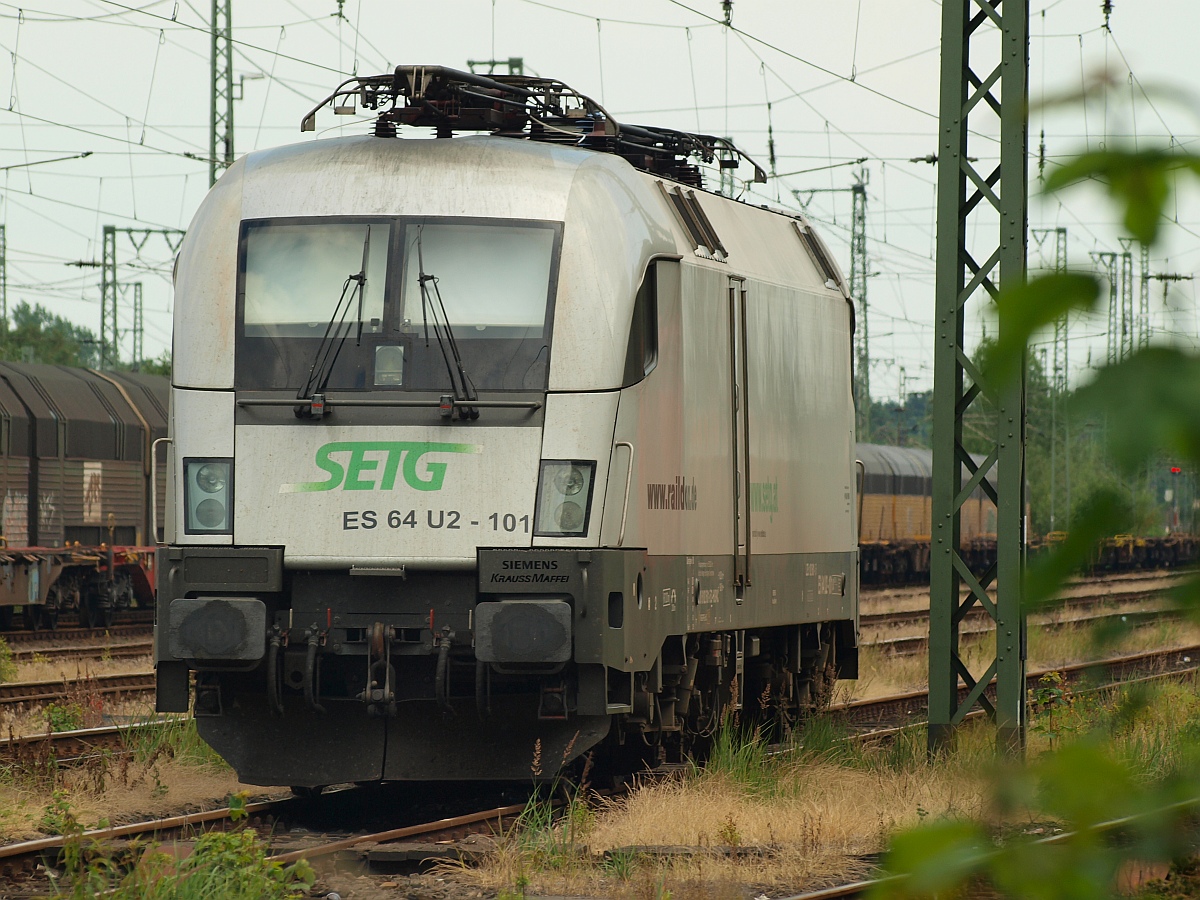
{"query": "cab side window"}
pixel 641 355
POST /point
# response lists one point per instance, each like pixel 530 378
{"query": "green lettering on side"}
pixel 430 477
pixel 358 465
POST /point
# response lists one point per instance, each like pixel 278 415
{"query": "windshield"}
pixel 489 276
pixel 295 274
pixel 492 282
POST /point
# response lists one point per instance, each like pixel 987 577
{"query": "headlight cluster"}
pixel 208 495
pixel 564 497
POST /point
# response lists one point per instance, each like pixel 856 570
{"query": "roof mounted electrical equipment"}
pixel 529 108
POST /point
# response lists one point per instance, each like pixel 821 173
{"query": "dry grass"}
pixel 175 787
pixel 796 823
pixel 165 769
pixel 761 824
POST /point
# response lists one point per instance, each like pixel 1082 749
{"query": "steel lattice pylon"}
pixel 220 134
pixel 982 93
pixel 1128 326
pixel 1107 261
pixel 1143 315
pixel 858 290
pixel 3 279
pixel 1059 376
pixel 111 289
pixel 110 332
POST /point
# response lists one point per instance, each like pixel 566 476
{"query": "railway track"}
pixel 130 650
pixel 270 818
pixel 914 644
pixel 14 693
pixel 888 713
pixel 70 747
pixel 1100 593
pixel 1097 830
pixel 33 638
pixel 19 861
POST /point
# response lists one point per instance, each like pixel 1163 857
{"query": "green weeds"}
pixel 65 716
pixel 175 739
pixel 8 666
pixel 228 865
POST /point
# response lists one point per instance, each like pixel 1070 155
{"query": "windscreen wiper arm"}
pixel 462 386
pixel 336 332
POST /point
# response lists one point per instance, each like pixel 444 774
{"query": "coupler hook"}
pixel 274 678
pixel 441 681
pixel 312 672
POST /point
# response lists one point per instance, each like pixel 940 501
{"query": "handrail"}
pixel 154 489
pixel 862 467
pixel 628 482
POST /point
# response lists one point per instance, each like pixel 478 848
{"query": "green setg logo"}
pixel 352 471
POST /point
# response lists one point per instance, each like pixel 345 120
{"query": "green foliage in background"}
pixel 1150 404
pixel 34 334
pixel 1049 419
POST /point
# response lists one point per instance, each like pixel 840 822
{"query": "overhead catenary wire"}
pixel 799 59
pixel 773 121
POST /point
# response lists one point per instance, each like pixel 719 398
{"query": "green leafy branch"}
pixel 1152 404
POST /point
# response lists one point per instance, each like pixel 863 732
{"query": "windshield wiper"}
pixel 462 386
pixel 336 332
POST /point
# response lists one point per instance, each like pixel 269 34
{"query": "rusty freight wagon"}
pixel 75 483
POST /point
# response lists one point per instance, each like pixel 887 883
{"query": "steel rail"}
pixel 910 646
pixel 17 856
pixel 132 629
pixel 14 692
pixel 859 888
pixel 75 745
pixel 396 834
pixel 1125 668
pixel 1054 607
pixel 85 651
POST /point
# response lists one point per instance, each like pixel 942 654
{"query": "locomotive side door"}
pixel 740 411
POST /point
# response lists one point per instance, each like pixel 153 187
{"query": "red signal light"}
pixel 1175 470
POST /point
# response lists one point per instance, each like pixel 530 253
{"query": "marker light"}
pixel 564 500
pixel 208 496
pixel 211 477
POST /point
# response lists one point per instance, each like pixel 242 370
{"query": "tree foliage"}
pixel 1149 405
pixel 35 334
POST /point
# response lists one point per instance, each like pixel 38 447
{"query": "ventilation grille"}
pixel 696 222
pixel 820 255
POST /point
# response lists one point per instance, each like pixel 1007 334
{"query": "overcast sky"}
pixel 845 79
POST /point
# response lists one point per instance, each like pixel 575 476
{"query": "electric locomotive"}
pixel 500 446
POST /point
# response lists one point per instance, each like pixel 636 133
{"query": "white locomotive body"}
pixel 483 442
